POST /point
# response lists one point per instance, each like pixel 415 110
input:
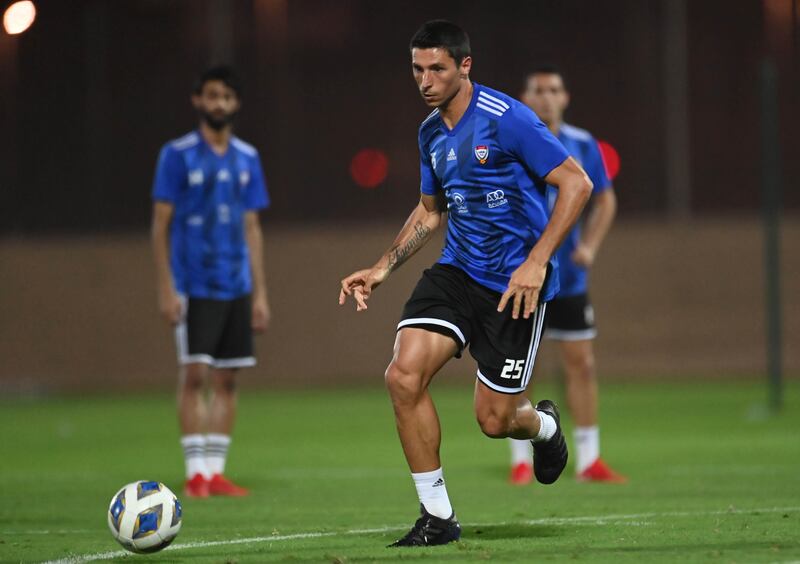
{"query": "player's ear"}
pixel 196 103
pixel 465 67
pixel 566 99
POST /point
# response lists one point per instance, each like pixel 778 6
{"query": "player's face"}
pixel 438 76
pixel 217 104
pixel 545 94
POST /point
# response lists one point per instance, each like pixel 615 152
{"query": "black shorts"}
pixel 447 301
pixel 216 332
pixel 570 319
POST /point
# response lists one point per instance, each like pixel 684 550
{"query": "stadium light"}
pixel 19 17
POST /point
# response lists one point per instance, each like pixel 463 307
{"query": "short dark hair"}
pixel 443 34
pixel 224 74
pixel 547 68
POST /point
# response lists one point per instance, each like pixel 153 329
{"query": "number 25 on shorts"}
pixel 512 369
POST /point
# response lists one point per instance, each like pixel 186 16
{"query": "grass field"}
pixel 710 481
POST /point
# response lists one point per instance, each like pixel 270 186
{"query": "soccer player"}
pixel 207 245
pixel 570 317
pixel 486 160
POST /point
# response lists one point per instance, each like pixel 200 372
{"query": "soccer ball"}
pixel 145 516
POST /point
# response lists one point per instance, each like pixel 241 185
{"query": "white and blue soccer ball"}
pixel 145 516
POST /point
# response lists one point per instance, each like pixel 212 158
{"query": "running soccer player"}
pixel 486 160
pixel 570 317
pixel 207 246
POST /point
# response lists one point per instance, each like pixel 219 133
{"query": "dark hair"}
pixel 444 34
pixel 547 68
pixel 224 74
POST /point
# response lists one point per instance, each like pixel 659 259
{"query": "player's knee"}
pixel 192 381
pixel 402 382
pixel 225 384
pixel 494 425
pixel 583 367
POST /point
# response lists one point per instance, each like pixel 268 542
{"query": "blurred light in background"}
pixel 369 167
pixel 19 17
pixel 610 158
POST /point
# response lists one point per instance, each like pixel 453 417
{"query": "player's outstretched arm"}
pixel 574 189
pixel 604 208
pixel 168 302
pixel 419 226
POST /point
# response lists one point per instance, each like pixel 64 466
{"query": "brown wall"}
pixel 671 299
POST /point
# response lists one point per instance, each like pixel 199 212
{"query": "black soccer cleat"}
pixel 430 530
pixel 550 457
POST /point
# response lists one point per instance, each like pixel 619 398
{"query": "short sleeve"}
pixel 170 175
pixel 428 183
pixel 595 167
pixel 525 137
pixel 256 196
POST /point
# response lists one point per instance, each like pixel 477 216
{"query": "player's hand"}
pixel 261 314
pixel 170 306
pixel 523 288
pixel 583 256
pixel 360 284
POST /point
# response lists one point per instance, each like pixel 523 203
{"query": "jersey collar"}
pixel 465 117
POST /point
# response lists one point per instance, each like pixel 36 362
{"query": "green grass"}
pixel 709 481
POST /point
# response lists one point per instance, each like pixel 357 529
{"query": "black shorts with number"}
pixel 447 301
pixel 570 319
pixel 216 332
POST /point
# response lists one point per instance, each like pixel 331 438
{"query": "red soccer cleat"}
pixel 521 474
pixel 598 471
pixel 196 487
pixel 220 485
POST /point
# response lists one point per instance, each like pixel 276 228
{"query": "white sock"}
pixel 216 452
pixel 587 441
pixel 547 427
pixel 194 453
pixel 433 493
pixel 521 451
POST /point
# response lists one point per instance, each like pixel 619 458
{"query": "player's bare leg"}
pixel 193 417
pixel 222 415
pixel 506 415
pixel 192 410
pixel 582 397
pixel 418 355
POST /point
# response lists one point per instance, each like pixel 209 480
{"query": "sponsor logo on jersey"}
pixel 496 199
pixel 482 153
pixel 223 175
pixel 451 156
pixel 244 177
pixel 459 202
pixel 196 177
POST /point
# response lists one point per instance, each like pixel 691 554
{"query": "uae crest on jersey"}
pixel 482 153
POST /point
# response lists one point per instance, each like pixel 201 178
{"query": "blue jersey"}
pixel 490 167
pixel 573 279
pixel 210 194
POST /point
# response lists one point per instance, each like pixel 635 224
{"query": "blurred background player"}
pixel 486 160
pixel 207 244
pixel 570 317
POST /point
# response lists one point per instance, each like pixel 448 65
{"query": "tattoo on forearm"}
pixel 398 255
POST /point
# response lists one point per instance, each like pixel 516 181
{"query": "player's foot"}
pixel 599 471
pixel 521 474
pixel 430 530
pixel 220 485
pixel 550 457
pixel 197 486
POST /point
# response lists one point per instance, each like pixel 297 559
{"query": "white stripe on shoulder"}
pixel 431 115
pixel 575 132
pixel 489 109
pixel 494 105
pixel 188 140
pixel 245 148
pixel 493 99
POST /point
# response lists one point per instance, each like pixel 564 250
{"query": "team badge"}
pixel 482 153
